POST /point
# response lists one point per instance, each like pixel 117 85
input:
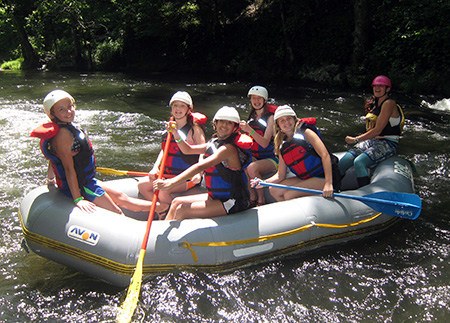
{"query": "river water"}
pixel 398 275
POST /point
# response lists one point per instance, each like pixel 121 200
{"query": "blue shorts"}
pixel 92 190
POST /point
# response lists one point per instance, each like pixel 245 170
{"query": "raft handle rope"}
pixel 189 245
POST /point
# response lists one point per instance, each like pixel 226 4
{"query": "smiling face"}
pixel 380 90
pixel 257 101
pixel 179 109
pixel 64 110
pixel 286 124
pixel 225 128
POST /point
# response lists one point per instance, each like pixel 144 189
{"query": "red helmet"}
pixel 382 80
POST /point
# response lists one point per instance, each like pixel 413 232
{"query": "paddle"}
pixel 403 205
pixel 111 171
pixel 130 303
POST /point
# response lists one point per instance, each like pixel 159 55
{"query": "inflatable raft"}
pixel 106 245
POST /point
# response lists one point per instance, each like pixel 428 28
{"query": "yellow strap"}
pixel 189 245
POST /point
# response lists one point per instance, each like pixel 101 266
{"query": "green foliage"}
pixel 409 40
pixel 108 54
pixel 13 65
pixel 412 44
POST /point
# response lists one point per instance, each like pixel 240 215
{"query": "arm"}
pixel 189 149
pixel 62 144
pixel 263 141
pixel 218 157
pixel 198 137
pixel 155 169
pixel 322 151
pixel 387 110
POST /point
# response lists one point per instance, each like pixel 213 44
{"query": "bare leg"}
pixel 127 202
pixel 145 187
pixel 257 169
pixel 280 194
pixel 106 202
pixel 195 206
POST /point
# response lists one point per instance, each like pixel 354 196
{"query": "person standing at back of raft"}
pixel 384 125
pixel 223 165
pixel 71 159
pixel 260 126
pixel 189 129
pixel 300 148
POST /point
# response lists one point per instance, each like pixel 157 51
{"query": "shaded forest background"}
pixel 331 42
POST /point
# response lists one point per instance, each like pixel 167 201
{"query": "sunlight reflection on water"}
pixel 400 274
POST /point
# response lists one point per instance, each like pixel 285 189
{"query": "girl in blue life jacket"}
pixel 188 125
pixel 72 161
pixel 384 125
pixel 260 126
pixel 223 165
pixel 301 149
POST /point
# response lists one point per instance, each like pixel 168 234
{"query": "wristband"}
pixel 251 133
pixel 356 140
pixel 178 140
pixel 78 200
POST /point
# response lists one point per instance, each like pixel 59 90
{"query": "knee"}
pixel 176 202
pixel 276 193
pixel 144 186
pixel 251 170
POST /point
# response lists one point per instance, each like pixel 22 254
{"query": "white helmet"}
pixel 182 96
pixel 259 91
pixel 53 97
pixel 284 111
pixel 227 113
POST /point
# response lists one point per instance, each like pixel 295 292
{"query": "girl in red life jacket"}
pixel 306 156
pixel 188 127
pixel 384 125
pixel 225 178
pixel 72 160
pixel 260 126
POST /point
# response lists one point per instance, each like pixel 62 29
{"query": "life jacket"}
pixel 389 130
pixel 176 161
pixel 84 160
pixel 223 183
pixel 300 156
pixel 260 127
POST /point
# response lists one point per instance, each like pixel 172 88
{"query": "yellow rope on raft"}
pixel 189 245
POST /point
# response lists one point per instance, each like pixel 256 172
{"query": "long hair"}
pixel 252 113
pixel 190 120
pixel 280 135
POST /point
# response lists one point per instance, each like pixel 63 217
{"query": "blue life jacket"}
pixel 84 160
pixel 222 182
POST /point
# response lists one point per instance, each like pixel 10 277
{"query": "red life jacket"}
pixel 176 161
pixel 300 156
